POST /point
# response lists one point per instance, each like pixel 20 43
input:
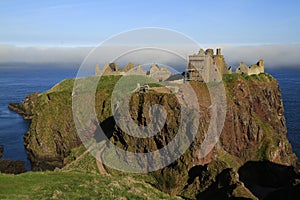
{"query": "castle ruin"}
pixel 205 66
pixel 209 67
pixel 158 73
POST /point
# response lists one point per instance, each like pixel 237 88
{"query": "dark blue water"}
pixel 15 83
pixel 289 81
pixel 18 81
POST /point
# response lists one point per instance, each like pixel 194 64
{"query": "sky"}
pixel 62 24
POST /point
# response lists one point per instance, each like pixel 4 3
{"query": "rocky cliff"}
pixel 1 151
pixel 26 107
pixel 10 166
pixel 254 130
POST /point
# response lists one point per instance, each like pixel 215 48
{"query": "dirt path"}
pixel 99 161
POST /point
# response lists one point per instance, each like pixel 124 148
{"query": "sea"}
pixel 17 81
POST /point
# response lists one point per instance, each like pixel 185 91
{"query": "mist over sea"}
pixel 17 81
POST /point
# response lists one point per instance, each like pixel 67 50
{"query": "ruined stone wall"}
pixel 242 69
pixel 160 74
pixel 253 69
pixel 138 71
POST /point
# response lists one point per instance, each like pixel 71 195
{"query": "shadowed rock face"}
pixel 223 187
pixel 1 151
pixel 263 178
pixel 10 166
pixel 287 193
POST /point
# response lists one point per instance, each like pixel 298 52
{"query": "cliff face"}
pixel 52 133
pixel 1 151
pixel 254 129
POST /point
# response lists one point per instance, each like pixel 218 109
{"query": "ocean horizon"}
pixel 17 81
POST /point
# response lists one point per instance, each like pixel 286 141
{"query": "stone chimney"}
pixel 219 51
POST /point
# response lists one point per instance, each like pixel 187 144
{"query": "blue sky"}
pixel 86 23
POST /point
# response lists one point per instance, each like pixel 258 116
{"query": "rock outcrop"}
pixel 10 166
pixel 1 151
pixel 26 107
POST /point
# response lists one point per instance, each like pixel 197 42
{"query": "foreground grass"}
pixel 75 185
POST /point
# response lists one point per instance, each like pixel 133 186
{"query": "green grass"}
pixel 75 185
pixel 65 85
pixel 263 77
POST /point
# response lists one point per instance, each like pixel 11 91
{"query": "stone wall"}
pixel 159 73
pixel 250 70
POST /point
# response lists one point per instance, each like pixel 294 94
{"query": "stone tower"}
pixel 206 67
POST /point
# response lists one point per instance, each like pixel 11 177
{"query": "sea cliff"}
pixel 254 130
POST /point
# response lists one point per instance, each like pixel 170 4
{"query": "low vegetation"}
pixel 75 185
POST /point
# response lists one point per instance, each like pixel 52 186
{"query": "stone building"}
pixel 206 66
pixel 253 69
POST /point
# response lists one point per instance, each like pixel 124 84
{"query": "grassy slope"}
pixel 79 179
pixel 75 185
